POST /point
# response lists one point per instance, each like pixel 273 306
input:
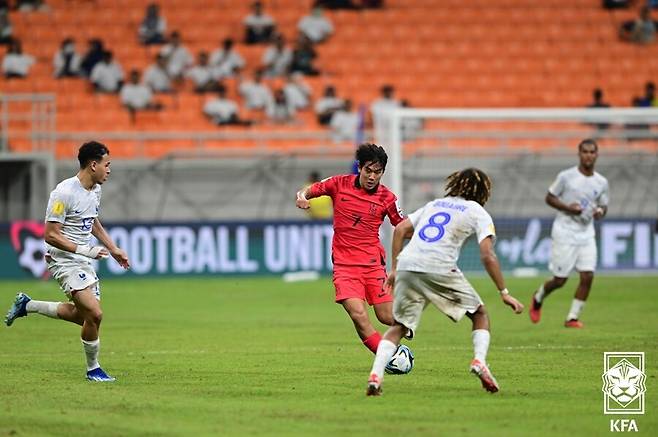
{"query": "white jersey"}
pixel 440 229
pixel 76 208
pixel 571 186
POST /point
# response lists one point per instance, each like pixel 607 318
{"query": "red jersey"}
pixel 358 215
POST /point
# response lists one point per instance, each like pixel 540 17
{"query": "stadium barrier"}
pixel 277 247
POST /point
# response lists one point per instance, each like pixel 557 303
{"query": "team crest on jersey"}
pixel 373 209
pixel 398 208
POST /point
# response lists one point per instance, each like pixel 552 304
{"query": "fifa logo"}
pixel 623 383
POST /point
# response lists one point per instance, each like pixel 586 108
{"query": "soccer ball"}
pixel 402 361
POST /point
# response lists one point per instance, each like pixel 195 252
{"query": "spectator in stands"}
pixel 259 27
pixel 303 57
pixel 177 55
pixel 107 75
pixel 336 4
pixel 277 57
pixel 386 101
pixel 66 61
pixel 31 5
pixel 316 26
pixel 345 123
pixel 599 102
pixel 642 30
pixel 202 76
pixel 256 94
pixel 153 27
pixel 137 96
pixel 223 111
pixel 637 102
pixel 616 4
pixel 327 105
pixel 410 126
pixel 6 31
pixel 279 110
pixel 94 55
pixel 372 4
pixel 226 62
pixel 156 76
pixel 297 92
pixel 597 99
pixel 649 98
pixel 16 64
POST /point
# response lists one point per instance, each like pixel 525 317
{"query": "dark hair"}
pixel 470 184
pixel 368 152
pixel 587 141
pixel 91 151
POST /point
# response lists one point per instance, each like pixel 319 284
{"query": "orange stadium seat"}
pixel 436 53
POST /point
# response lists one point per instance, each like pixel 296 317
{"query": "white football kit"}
pixel 573 242
pixel 76 208
pixel 427 267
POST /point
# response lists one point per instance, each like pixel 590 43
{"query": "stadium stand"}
pixel 436 53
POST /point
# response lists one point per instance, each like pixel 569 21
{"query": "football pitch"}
pixel 236 356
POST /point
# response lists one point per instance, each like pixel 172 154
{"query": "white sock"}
pixel 91 353
pixel 539 295
pixel 48 309
pixel 385 352
pixel 576 307
pixel 481 344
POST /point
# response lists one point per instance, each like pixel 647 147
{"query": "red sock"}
pixel 373 341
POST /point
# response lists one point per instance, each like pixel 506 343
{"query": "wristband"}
pixel 83 250
pixel 503 292
pixel 88 251
pixel 300 195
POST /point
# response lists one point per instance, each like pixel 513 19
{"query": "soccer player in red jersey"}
pixel 360 205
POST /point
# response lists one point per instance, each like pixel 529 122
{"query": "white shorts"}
pixel 74 276
pixel 451 293
pixel 565 257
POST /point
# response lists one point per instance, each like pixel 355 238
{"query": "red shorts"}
pixel 365 283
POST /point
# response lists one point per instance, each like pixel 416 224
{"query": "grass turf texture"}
pixel 261 357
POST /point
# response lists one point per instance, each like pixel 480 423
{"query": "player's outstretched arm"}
pixel 491 264
pixel 101 234
pixel 403 231
pixel 53 235
pixel 554 202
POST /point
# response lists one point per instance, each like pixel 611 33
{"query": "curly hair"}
pixel 470 184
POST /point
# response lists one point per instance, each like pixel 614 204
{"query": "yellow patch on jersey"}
pixel 58 208
pixel 492 229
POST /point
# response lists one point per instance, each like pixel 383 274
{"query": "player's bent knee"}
pixel 358 315
pixel 386 319
pixel 95 316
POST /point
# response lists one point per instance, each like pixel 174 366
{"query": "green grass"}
pixel 261 357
